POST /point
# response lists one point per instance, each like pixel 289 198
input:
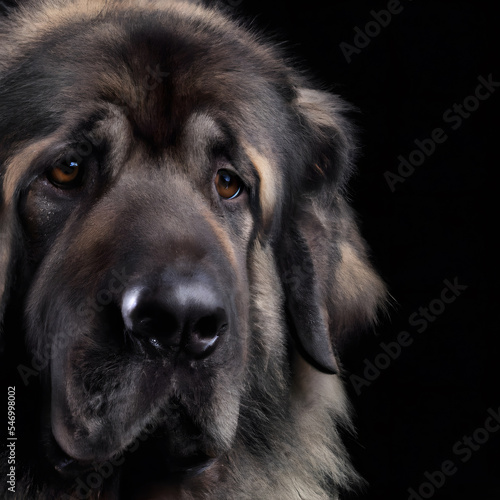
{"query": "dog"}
pixel 178 260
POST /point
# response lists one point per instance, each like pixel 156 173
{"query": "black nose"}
pixel 182 311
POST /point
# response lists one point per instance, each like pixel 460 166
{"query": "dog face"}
pixel 175 232
pixel 165 300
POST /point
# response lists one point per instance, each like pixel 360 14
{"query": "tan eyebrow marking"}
pixel 20 163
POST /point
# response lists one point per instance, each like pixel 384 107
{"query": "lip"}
pixel 69 468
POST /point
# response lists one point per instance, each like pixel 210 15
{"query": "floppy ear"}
pixel 330 286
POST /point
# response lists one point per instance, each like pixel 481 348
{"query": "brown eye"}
pixel 228 185
pixel 66 175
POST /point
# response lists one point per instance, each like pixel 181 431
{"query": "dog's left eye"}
pixel 66 176
pixel 228 185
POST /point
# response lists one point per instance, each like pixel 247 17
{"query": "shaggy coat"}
pixel 178 261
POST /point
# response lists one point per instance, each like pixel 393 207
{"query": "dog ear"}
pixel 330 286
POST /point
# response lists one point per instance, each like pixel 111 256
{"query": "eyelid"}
pixel 225 162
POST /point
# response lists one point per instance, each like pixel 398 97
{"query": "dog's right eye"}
pixel 228 185
pixel 66 175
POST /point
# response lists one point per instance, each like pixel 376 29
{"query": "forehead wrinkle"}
pixel 117 130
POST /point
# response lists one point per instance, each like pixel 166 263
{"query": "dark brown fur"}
pixel 152 99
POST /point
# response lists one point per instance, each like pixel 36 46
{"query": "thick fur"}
pixel 152 98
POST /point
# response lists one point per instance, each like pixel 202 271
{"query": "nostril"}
pixel 206 327
pixel 147 317
pixel 205 333
pixel 154 322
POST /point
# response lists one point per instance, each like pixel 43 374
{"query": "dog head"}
pixel 174 225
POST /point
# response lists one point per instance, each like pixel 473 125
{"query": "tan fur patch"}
pixel 357 282
pixel 223 239
pixel 20 163
pixel 352 274
pixel 268 181
pixel 313 388
pixel 267 298
pixel 320 109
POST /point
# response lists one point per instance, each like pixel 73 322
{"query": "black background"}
pixel 438 224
